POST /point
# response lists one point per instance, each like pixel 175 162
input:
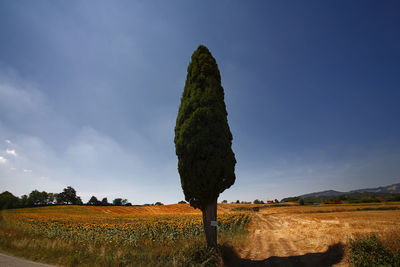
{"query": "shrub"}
pixel 370 251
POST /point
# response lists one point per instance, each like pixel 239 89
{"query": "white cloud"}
pixel 27 171
pixel 11 152
pixel 3 160
pixel 8 141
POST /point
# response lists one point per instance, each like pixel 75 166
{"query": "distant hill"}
pixel 390 189
pixel 382 190
pixel 327 193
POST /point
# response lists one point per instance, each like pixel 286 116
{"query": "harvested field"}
pixel 315 235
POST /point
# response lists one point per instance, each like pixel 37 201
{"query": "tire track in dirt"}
pixel 267 239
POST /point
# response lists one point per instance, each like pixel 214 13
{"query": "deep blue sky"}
pixel 89 93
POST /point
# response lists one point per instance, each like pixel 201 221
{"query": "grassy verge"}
pixel 370 250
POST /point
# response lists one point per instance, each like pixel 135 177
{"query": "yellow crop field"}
pixel 115 236
pixel 122 225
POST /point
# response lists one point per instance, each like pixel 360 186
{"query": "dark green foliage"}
pixel 78 201
pixel 203 140
pixel 369 251
pixel 301 202
pixel 198 254
pixel 8 200
pixel 364 197
pixel 51 197
pixel 94 201
pixel 158 204
pixel 290 199
pixel 68 196
pixel 104 202
pixel 117 202
pixel 24 201
pixel 37 198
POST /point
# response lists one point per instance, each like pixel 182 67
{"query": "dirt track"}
pixel 10 261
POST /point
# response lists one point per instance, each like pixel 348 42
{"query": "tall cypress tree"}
pixel 203 140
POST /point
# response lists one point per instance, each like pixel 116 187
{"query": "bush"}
pixel 199 254
pixel 370 251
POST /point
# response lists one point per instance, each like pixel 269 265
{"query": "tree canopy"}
pixel 203 140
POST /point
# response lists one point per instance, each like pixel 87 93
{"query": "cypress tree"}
pixel 203 140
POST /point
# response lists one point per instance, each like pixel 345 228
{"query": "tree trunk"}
pixel 209 215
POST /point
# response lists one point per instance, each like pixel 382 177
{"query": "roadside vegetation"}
pixel 371 250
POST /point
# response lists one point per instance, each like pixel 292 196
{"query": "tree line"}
pixel 357 197
pixel 67 197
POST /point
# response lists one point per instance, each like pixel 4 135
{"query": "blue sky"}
pixel 89 93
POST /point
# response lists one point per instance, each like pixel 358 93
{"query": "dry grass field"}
pixel 313 235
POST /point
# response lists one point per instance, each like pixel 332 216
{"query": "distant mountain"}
pixel 382 190
pixel 327 193
pixel 390 189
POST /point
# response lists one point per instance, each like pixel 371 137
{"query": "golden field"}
pixel 115 236
pixel 130 225
pixel 316 233
pixel 172 235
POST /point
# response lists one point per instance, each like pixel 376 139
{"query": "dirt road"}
pixel 10 261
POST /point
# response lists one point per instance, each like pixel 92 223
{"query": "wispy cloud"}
pixel 11 152
pixel 3 160
pixel 27 171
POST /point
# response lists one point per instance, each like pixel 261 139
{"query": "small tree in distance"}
pixel 203 140
pixel 104 202
pixel 93 201
pixel 117 202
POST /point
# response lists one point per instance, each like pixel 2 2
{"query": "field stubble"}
pixel 310 231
